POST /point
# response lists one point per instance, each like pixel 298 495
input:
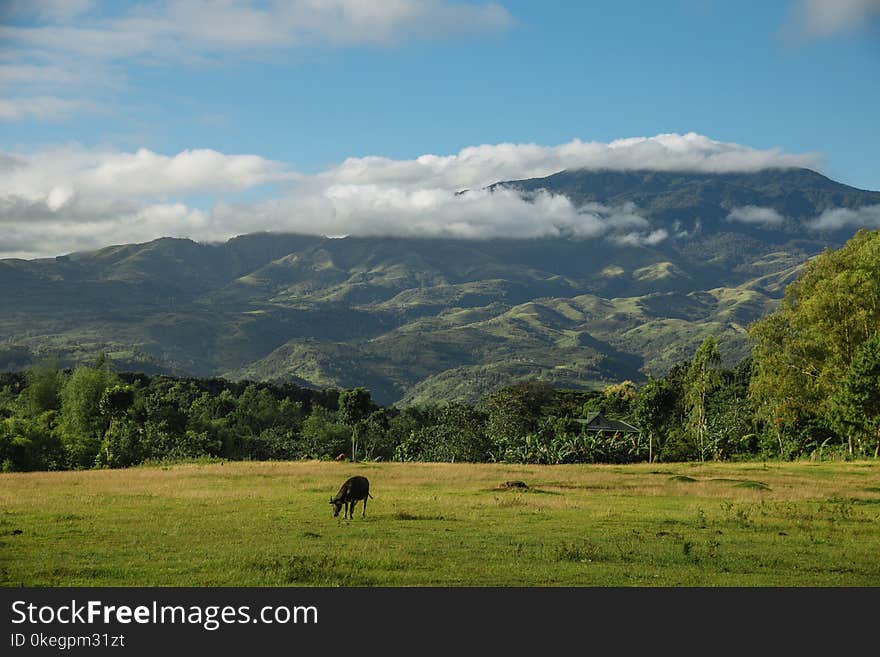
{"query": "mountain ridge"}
pixel 427 318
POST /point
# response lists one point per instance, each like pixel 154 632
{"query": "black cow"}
pixel 352 491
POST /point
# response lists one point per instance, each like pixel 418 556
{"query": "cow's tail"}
pixel 371 497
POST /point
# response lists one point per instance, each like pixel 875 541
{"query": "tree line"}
pixel 811 387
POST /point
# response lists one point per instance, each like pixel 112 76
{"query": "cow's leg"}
pixel 364 514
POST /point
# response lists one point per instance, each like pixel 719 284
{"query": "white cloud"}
pixel 62 43
pixel 73 198
pixel 37 230
pixel 69 199
pixel 173 29
pixel 47 108
pixel 837 218
pixel 58 197
pixel 145 175
pixel 370 210
pixel 31 73
pixel 825 18
pixel 751 214
pixel 478 166
pixel 641 239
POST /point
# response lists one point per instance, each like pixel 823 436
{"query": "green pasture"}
pixel 270 524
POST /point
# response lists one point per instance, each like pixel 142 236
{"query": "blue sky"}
pixel 193 117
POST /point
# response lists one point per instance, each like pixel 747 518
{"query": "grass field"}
pixel 269 524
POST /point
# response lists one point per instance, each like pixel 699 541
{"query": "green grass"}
pixel 269 524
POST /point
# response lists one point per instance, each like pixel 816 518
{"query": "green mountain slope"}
pixel 430 319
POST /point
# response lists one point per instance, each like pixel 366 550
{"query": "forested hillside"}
pixel 412 320
pixel 809 387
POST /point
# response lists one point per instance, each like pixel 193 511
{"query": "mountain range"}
pixel 429 319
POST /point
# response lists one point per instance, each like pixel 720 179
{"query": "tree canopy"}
pixel 804 350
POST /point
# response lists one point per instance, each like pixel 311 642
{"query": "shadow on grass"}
pixel 404 515
pixel 743 483
pixel 755 485
pixel 738 483
pixel 526 491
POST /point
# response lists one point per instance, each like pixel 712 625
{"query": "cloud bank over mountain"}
pixel 837 218
pixel 751 214
pixel 72 198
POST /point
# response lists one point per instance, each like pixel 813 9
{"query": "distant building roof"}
pixel 595 421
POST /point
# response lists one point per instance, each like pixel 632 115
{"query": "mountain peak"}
pixel 426 319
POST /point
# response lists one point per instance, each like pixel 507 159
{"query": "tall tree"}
pixel 516 410
pixel 653 407
pixel 457 435
pixel 857 401
pixel 322 435
pixel 82 422
pixel 703 376
pixel 354 407
pixel 617 399
pixel 43 392
pixel 804 349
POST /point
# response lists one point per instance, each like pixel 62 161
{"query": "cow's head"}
pixel 337 506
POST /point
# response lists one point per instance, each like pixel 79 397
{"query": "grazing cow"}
pixel 352 491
